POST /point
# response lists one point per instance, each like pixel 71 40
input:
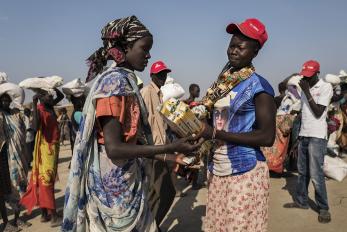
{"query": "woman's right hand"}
pixel 186 145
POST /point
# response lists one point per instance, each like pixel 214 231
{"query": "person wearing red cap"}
pixel 160 174
pixel 315 99
pixel 238 193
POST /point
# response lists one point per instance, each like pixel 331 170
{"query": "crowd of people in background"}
pixel 126 159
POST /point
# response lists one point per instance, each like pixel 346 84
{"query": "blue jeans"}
pixel 310 166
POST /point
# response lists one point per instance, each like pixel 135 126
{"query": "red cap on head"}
pixel 158 67
pixel 310 68
pixel 251 28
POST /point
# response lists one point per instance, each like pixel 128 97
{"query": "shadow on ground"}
pixel 291 181
pixel 64 159
pixel 186 214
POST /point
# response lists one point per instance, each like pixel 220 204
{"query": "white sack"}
pixel 75 88
pixel 45 83
pixel 3 77
pixel 15 92
pixel 343 73
pixel 343 76
pixel 169 80
pixel 332 79
pixel 335 168
pixel 173 90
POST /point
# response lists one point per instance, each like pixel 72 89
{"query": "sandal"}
pixel 324 216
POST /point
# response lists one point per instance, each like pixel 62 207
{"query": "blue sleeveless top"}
pixel 236 113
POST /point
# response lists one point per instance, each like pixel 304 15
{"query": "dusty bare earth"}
pixel 187 213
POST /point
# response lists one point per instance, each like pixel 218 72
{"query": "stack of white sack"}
pixel 336 79
pixel 75 88
pixel 3 77
pixel 15 92
pixel 335 168
pixel 332 79
pixel 171 89
pixel 44 83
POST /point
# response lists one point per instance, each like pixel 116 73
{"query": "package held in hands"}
pixel 180 118
pixel 49 82
pixel 182 121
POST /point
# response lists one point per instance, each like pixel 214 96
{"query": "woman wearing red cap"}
pixel 238 194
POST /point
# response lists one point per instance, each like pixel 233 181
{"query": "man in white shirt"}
pixel 161 189
pixel 315 98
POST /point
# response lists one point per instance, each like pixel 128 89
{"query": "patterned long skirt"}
pixel 238 202
pixel 40 191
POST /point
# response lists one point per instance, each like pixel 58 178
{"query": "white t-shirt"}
pixel 311 126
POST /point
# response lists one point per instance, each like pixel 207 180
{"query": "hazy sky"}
pixel 40 37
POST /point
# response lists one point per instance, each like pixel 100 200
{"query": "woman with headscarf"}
pixel 238 192
pixel 76 92
pixel 45 158
pixel 5 180
pixel 15 132
pixel 107 185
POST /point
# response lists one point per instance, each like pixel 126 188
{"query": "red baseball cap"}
pixel 251 28
pixel 158 67
pixel 310 68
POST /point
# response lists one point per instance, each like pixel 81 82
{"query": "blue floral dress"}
pixel 101 194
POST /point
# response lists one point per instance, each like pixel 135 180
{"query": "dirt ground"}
pixel 187 213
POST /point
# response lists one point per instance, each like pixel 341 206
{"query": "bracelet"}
pixel 214 133
pixel 164 157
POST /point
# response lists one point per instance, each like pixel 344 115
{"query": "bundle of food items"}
pixel 184 123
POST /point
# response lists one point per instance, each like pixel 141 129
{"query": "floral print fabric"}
pixel 238 202
pixel 103 195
